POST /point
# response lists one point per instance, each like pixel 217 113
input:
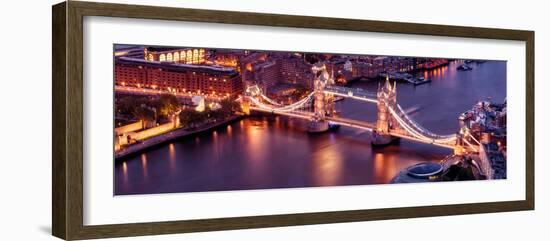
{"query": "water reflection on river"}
pixel 276 152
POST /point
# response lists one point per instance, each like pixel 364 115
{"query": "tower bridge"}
pixel 392 121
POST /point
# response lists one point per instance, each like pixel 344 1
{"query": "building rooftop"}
pixel 164 49
pixel 177 67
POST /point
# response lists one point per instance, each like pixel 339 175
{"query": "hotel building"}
pixel 177 77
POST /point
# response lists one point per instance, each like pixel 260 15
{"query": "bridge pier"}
pixel 318 126
pixel 381 139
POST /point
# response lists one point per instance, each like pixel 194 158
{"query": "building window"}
pixel 201 55
pixel 176 57
pixel 169 57
pixel 182 55
pixel 189 56
pixel 195 56
pixel 162 57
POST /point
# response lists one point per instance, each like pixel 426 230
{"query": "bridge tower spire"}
pixel 387 98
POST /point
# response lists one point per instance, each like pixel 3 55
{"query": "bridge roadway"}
pixel 357 94
pixel 349 123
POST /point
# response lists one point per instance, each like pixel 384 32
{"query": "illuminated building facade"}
pixel 295 70
pixel 227 59
pixel 268 72
pixel 175 77
pixel 247 64
pixel 182 55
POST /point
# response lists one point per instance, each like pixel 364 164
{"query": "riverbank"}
pixel 169 136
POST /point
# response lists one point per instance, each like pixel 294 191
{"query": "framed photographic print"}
pixel 171 120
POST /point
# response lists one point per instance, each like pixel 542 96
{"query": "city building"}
pixel 487 123
pixel 177 77
pixel 278 68
pixel 268 73
pixel 421 172
pixel 227 58
pixel 295 70
pixel 175 55
pixel 348 68
pixel 247 63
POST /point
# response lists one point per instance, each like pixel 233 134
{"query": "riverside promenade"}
pixel 171 135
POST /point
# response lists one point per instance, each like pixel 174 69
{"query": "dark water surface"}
pixel 277 152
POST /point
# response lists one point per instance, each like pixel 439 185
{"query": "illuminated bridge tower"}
pixel 329 98
pixel 387 97
pixel 320 105
pixel 250 92
pixel 245 106
pixel 459 148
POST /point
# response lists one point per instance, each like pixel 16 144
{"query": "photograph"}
pixel 202 119
pixel 271 120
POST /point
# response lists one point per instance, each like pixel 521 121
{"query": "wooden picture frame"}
pixel 67 123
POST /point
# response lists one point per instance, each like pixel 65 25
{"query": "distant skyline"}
pixel 121 46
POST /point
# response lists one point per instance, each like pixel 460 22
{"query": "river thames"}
pixel 262 152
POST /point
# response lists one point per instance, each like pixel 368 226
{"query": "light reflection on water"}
pixel 327 164
pixel 172 156
pixel 144 165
